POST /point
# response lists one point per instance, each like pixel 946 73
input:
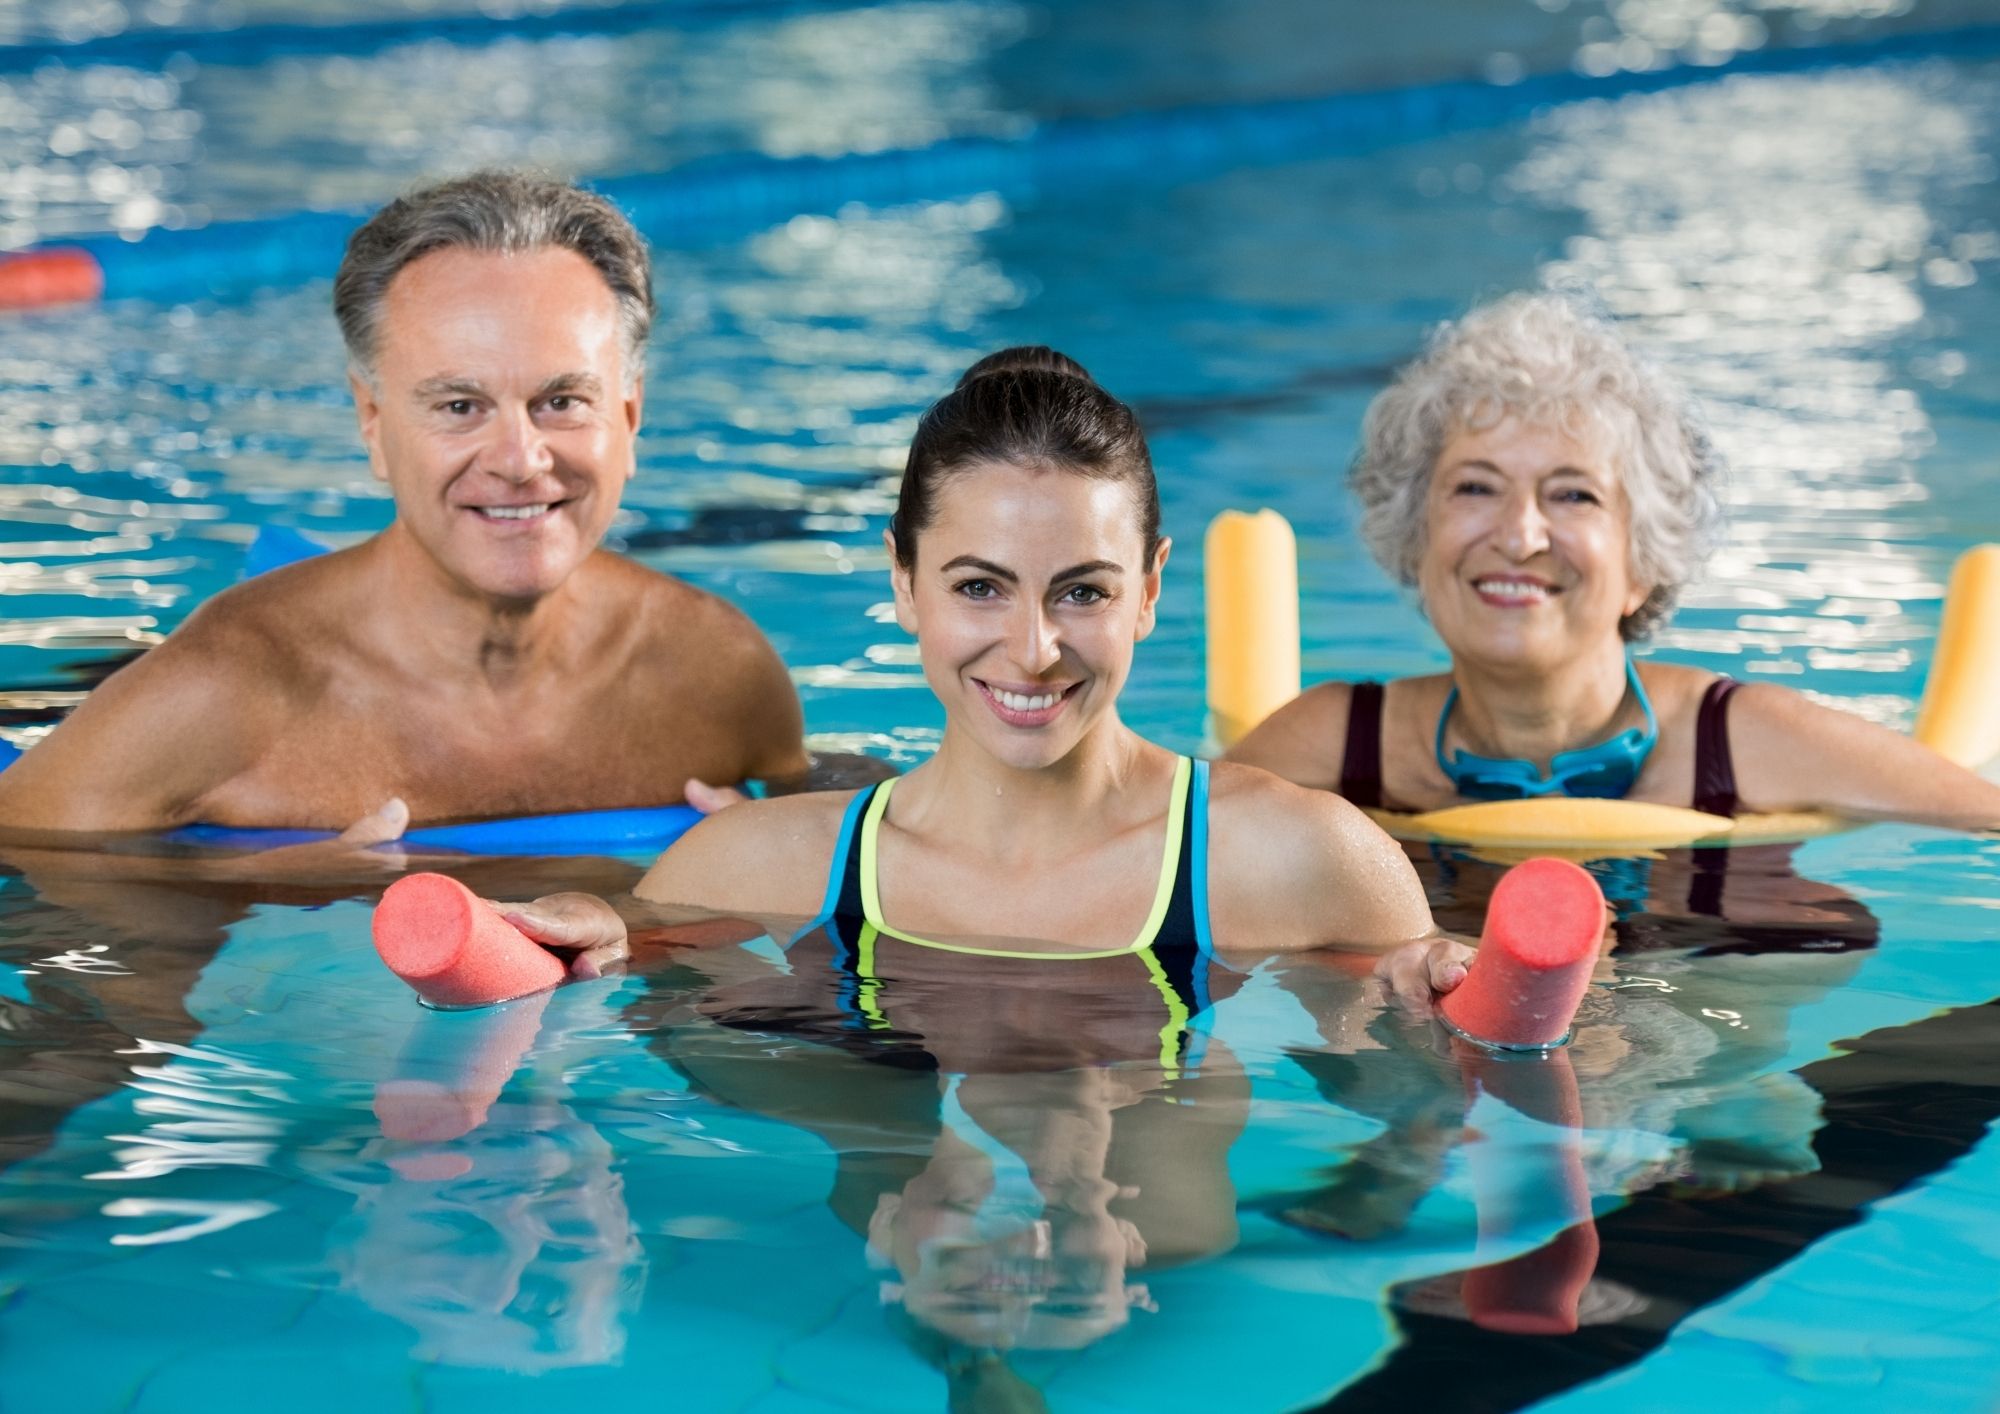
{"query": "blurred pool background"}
pixel 1811 245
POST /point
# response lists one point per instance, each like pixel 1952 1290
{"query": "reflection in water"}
pixel 496 1230
pixel 1012 1160
pixel 1786 327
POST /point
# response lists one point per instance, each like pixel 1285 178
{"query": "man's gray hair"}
pixel 1543 359
pixel 505 213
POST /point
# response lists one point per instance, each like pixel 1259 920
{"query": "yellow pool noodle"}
pixel 1960 715
pixel 1253 619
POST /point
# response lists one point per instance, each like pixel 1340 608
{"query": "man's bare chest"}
pixel 338 759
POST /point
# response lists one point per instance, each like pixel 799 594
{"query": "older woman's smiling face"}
pixel 1527 559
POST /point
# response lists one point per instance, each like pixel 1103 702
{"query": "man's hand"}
pixel 386 822
pixel 352 854
pixel 1420 972
pixel 580 924
pixel 708 799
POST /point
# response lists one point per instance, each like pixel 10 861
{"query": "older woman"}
pixel 1548 494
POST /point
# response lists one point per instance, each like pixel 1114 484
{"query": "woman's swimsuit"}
pixel 1626 881
pixel 1714 768
pixel 1172 956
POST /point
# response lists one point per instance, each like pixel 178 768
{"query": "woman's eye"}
pixel 977 588
pixel 1577 496
pixel 1085 594
pixel 1471 488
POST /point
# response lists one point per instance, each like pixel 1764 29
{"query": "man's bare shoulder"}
pixel 290 618
pixel 763 856
pixel 668 608
pixel 145 748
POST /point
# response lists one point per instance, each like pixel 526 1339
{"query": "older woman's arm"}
pixel 1303 741
pixel 1793 754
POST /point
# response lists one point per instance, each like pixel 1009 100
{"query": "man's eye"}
pixel 457 407
pixel 563 402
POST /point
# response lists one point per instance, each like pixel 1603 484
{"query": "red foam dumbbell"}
pixel 450 944
pixel 1543 928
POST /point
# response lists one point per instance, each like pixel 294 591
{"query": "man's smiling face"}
pixel 500 416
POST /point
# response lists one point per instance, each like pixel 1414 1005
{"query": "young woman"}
pixel 1044 834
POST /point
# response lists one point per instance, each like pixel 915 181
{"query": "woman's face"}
pixel 1527 560
pixel 1028 593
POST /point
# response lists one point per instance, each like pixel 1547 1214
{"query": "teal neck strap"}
pixel 1606 770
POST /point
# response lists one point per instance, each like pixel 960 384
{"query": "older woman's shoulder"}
pixel 1305 741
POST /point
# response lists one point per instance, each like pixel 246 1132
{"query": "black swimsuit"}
pixel 1714 768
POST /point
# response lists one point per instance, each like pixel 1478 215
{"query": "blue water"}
pixel 1785 1114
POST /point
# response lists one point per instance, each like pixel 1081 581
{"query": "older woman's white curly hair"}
pixel 1543 359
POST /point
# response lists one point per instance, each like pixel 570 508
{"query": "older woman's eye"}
pixel 1578 496
pixel 1471 488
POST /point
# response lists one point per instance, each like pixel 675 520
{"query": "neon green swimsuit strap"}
pixel 871 894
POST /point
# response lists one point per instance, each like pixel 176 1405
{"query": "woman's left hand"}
pixel 1420 972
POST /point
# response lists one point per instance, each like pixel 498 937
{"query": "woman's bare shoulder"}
pixel 1293 867
pixel 762 856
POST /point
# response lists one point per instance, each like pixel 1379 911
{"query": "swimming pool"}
pixel 1785 1114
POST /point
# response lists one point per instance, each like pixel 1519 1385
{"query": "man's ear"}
pixel 900 581
pixel 1149 591
pixel 368 414
pixel 633 405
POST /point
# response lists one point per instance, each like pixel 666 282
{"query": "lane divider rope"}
pixel 710 195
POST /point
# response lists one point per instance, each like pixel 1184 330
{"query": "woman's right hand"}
pixel 582 926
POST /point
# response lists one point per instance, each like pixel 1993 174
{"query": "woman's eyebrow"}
pixel 973 562
pixel 1088 567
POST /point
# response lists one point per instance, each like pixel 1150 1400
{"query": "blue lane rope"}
pixel 749 190
pixel 254 43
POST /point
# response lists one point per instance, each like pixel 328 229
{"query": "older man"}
pixel 482 656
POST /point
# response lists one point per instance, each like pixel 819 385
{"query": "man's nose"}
pixel 517 452
pixel 1036 644
pixel 1524 528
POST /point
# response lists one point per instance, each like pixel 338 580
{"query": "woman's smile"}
pixel 1027 705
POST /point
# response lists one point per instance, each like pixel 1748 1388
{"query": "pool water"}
pixel 239 1161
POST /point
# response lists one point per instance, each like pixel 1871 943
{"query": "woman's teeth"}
pixel 515 512
pixel 1017 702
pixel 1511 588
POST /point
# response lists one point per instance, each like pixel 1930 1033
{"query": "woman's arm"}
pixel 1304 741
pixel 1293 868
pixel 1791 753
pixel 763 857
pixel 755 869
